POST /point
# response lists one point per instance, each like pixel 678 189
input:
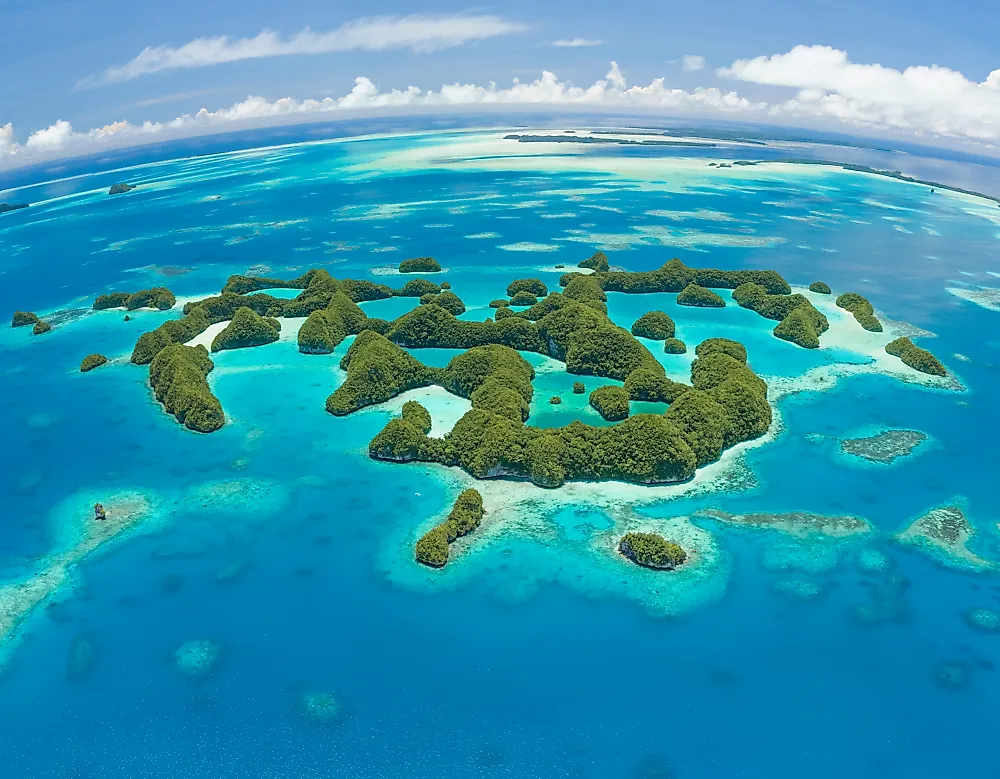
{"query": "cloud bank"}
pixel 610 92
pixel 418 32
pixel 930 100
pixel 924 101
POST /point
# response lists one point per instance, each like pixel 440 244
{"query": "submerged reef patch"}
pixel 884 447
pixel 197 657
pixel 800 524
pixel 944 533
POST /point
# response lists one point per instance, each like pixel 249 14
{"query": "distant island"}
pixel 5 207
pixel 616 141
pixel 119 189
pixel 892 174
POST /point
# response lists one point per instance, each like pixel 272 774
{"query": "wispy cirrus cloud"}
pixel 576 42
pixel 420 33
pixel 931 100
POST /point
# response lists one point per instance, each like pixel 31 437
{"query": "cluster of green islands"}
pixel 723 404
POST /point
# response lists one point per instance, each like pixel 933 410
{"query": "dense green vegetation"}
pixel 499 303
pixel 555 400
pixel 656 325
pixel 798 320
pixel 598 262
pixel 445 285
pixel 674 276
pixel 119 189
pixel 173 331
pixel 611 402
pixel 651 551
pixel 178 376
pixel 111 300
pixel 23 318
pixel 158 297
pixel 523 299
pixel 820 287
pixel 917 358
pixel 579 388
pixel 674 346
pixel 644 384
pixel 863 311
pixel 92 361
pixel 41 326
pixel 465 516
pixel 377 370
pixel 243 285
pixel 246 328
pixel 419 265
pixel 694 295
pixel 416 288
pixel 734 349
pixel 447 300
pixel 534 287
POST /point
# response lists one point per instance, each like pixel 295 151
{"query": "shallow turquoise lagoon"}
pixel 537 652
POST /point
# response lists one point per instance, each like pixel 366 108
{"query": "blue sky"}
pixel 74 62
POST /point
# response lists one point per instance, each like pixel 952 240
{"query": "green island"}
pixel 447 300
pixel 23 318
pixel 611 402
pixel 917 358
pixel 820 287
pixel 579 388
pixel 159 298
pixel 247 328
pixel 699 297
pixel 533 287
pixel 178 375
pixel 597 262
pixel 92 361
pixel 655 325
pixel 432 547
pixel 555 400
pixel 8 207
pixel 863 311
pixel 651 550
pixel 523 298
pixel 674 346
pixel 420 265
pixel 798 320
pixel 119 189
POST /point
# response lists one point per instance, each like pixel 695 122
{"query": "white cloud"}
pixel 7 144
pixel 693 62
pixel 418 32
pixel 575 42
pixel 610 92
pixel 922 99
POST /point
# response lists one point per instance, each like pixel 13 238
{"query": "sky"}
pixel 81 75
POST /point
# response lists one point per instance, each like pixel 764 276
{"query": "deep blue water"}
pixel 532 657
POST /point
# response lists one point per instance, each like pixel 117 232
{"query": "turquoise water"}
pixel 531 654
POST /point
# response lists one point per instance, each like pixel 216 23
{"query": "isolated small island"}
pixel 651 551
pixel 420 265
pixel 159 298
pixel 465 516
pixel 92 361
pixel 8 207
pixel 120 189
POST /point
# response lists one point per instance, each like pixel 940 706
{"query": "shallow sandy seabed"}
pixel 78 536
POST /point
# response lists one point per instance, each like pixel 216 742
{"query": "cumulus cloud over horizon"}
pixel 610 92
pixel 921 99
pixel 830 89
pixel 420 33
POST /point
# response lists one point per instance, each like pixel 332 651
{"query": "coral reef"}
pixel 197 657
pixel 884 447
